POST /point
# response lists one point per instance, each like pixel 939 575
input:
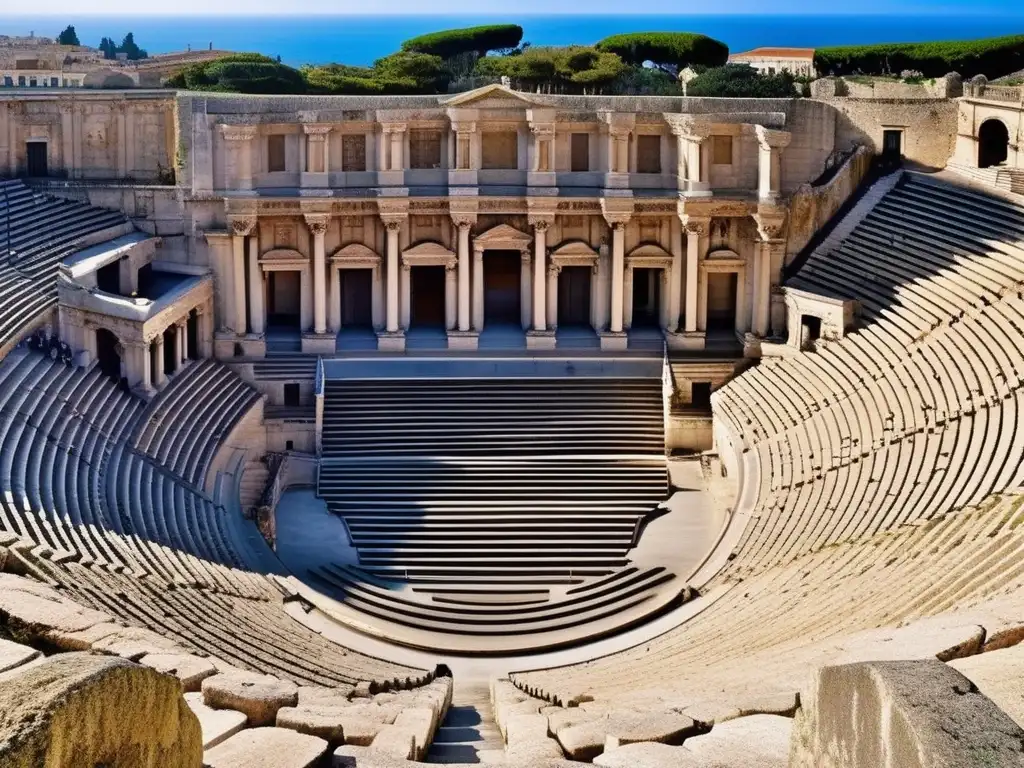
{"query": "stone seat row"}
pixel 187 421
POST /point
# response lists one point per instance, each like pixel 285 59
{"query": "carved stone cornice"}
pixel 617 211
pixel 689 127
pixel 317 222
pixel 770 139
pixel 696 226
pixel 771 227
pixel 316 132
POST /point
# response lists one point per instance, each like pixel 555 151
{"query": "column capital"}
pixel 393 221
pixel 237 132
pixel 464 126
pixel 770 227
pixel 463 220
pixel 688 127
pixel 541 222
pixel 317 222
pixel 316 131
pixel 240 226
pixel 695 226
pixel 393 127
pixel 617 211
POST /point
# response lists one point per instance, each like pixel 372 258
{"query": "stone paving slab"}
pixel 266 748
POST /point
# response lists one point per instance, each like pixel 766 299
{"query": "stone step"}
pixel 469 733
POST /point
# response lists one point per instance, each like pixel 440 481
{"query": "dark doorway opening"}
pixel 646 298
pixel 502 296
pixel 892 147
pixel 107 356
pixel 700 395
pixel 170 361
pixel 283 299
pixel 993 143
pixel 36 157
pixel 192 335
pixel 722 301
pixel 574 296
pixel 811 327
pixel 108 278
pixel 145 281
pixel 427 295
pixel 356 292
pixel 291 395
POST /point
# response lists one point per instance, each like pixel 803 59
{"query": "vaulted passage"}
pixel 993 143
pixel 502 287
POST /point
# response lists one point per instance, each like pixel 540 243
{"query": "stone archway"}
pixel 993 143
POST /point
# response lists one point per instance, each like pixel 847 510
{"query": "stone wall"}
pixel 972 113
pixel 947 87
pixel 811 207
pixel 929 127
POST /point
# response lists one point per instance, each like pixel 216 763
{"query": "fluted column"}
pixel 552 295
pixel 241 226
pixel 540 274
pixel 618 274
pixel 257 314
pixel 405 296
pixel 394 228
pixel 769 162
pixel 463 276
pixel 695 230
pixel 158 359
pixel 334 299
pixel 450 301
pixel 770 227
pixel 318 227
pixel 478 289
pixel 183 335
pixel 179 346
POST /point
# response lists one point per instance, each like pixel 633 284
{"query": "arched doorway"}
pixel 108 354
pixel 993 143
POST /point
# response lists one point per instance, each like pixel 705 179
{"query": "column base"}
pixel 685 340
pixel 463 339
pixel 612 340
pixel 752 345
pixel 319 343
pixel 540 339
pixel 146 393
pixel 251 345
pixel 391 341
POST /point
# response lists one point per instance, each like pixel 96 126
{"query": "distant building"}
pixel 797 61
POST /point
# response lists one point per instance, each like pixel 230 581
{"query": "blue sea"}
pixel 362 39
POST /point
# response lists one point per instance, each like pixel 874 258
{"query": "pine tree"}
pixel 68 36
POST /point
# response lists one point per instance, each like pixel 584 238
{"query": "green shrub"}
pixel 569 69
pixel 674 50
pixel 240 73
pixel 992 57
pixel 478 40
pixel 741 81
pixel 426 71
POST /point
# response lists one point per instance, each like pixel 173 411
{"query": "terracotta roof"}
pixel 776 53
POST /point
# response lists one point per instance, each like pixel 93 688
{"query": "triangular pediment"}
pixel 575 248
pixel 428 249
pixel 494 95
pixel 503 234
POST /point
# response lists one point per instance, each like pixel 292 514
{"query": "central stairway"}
pixel 493 508
pixel 468 733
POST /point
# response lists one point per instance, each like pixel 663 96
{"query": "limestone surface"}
pixel 649 755
pixel 258 697
pixel 758 741
pixel 266 748
pixel 190 670
pixel 902 714
pixel 14 655
pixel 217 724
pixel 78 709
pixel 999 675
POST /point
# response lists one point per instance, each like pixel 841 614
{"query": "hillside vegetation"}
pixel 992 57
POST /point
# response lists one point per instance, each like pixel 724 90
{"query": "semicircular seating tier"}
pixel 103 499
pixel 493 514
pixel 36 232
pixel 880 475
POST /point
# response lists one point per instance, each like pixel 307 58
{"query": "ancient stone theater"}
pixel 510 428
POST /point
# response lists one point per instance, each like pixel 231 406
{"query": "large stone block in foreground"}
pixel 78 709
pixel 900 714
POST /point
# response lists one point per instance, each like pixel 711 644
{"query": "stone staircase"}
pixel 1005 179
pixel 469 733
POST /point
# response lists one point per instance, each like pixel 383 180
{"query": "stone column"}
pixel 334 299
pixel 318 223
pixel 405 296
pixel 376 299
pixel 240 138
pixel 138 358
pixel 158 354
pixel 397 137
pixel 394 228
pixel 178 347
pixel 317 148
pixel 769 162
pixel 241 226
pixel 67 138
pixel 540 274
pixel 305 300
pixel 696 229
pixel 553 272
pixel 464 132
pixel 525 290
pixel 478 289
pixel 464 276
pixel 618 274
pixel 257 313
pixel 450 296
pixel 204 330
pixel 770 227
pixel 675 275
pixel 183 336
pixel 120 110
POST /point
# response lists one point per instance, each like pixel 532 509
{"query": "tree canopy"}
pixel 68 36
pixel 571 69
pixel 128 47
pixel 992 57
pixel 666 50
pixel 479 40
pixel 741 81
pixel 241 72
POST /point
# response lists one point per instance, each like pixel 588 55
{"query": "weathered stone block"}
pixel 758 741
pixel 14 655
pixel 267 748
pixel 78 709
pixel 259 697
pixel 217 724
pixel 902 714
pixel 190 670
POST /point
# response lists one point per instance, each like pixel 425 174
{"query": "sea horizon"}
pixel 360 39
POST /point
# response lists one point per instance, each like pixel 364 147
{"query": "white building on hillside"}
pixel 798 61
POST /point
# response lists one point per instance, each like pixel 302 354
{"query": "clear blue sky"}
pixel 75 8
